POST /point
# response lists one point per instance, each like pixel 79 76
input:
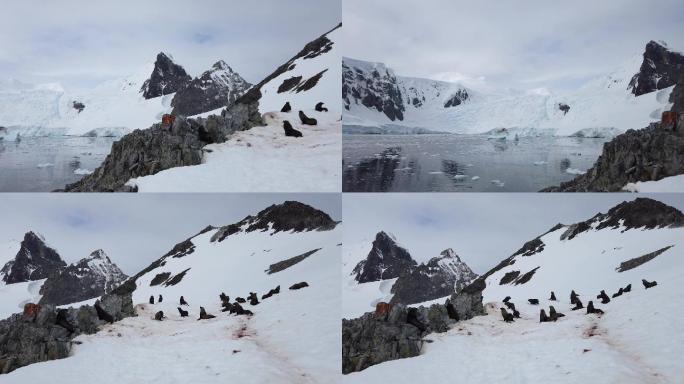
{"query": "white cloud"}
pixel 517 44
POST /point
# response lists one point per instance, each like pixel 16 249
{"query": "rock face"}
pixel 45 333
pixel 660 69
pixel 167 77
pixel 218 87
pixel 146 152
pixel 397 332
pixel 34 261
pixel 640 213
pixel 386 260
pixel 647 154
pixel 376 88
pixel 459 97
pixel 439 277
pixel 91 277
pixel 288 216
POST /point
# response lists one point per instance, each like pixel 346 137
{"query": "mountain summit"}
pixel 34 261
pixel 167 77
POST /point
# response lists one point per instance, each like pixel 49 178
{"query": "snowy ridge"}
pixel 636 340
pixel 603 105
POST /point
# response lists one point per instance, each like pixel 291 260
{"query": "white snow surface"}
pixel 327 90
pixel 263 159
pixel 14 296
pixel 112 108
pixel 602 107
pixel 668 184
pixel 639 339
pixel 293 337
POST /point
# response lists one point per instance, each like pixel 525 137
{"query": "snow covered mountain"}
pixel 311 76
pixel 35 260
pixel 215 88
pixel 115 107
pixel 292 336
pixel 262 158
pixel 35 272
pixel 388 273
pixel 374 96
pixel 636 340
pixel 88 278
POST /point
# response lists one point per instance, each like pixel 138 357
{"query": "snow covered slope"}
pixel 638 339
pixel 374 96
pixel 293 336
pixel 263 159
pixel 311 76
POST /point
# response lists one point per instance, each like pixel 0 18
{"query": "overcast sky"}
pixel 134 230
pixel 79 43
pixel 519 44
pixel 482 228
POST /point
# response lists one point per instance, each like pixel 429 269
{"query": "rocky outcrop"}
pixel 218 87
pixel 288 216
pixel 640 213
pixel 677 98
pixel 376 88
pixel 90 277
pixel 386 260
pixel 439 277
pixel 457 98
pixel 34 261
pixel 647 154
pixel 660 69
pixel 397 332
pixel 45 333
pixel 167 77
pixel 146 152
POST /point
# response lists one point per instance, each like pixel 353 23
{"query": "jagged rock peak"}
pixel 92 276
pixel 288 216
pixel 167 77
pixel 641 213
pixel 661 68
pixel 217 87
pixel 34 261
pixel 443 275
pixel 386 260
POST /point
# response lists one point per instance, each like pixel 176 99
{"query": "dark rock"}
pixel 564 107
pixel 386 260
pixel 167 77
pixel 396 332
pixel 289 131
pixel 647 154
pixel 34 261
pixel 457 98
pixel 77 105
pixel 306 120
pixel 439 277
pixel 146 152
pixel 50 333
pixel 287 263
pixel 90 277
pixel 377 89
pixel 289 84
pixel 301 285
pixel 660 69
pixel 218 87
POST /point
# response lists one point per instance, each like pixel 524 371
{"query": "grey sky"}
pixel 520 44
pixel 81 43
pixel 482 228
pixel 134 230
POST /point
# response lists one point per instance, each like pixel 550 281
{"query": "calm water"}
pixel 422 163
pixel 41 164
